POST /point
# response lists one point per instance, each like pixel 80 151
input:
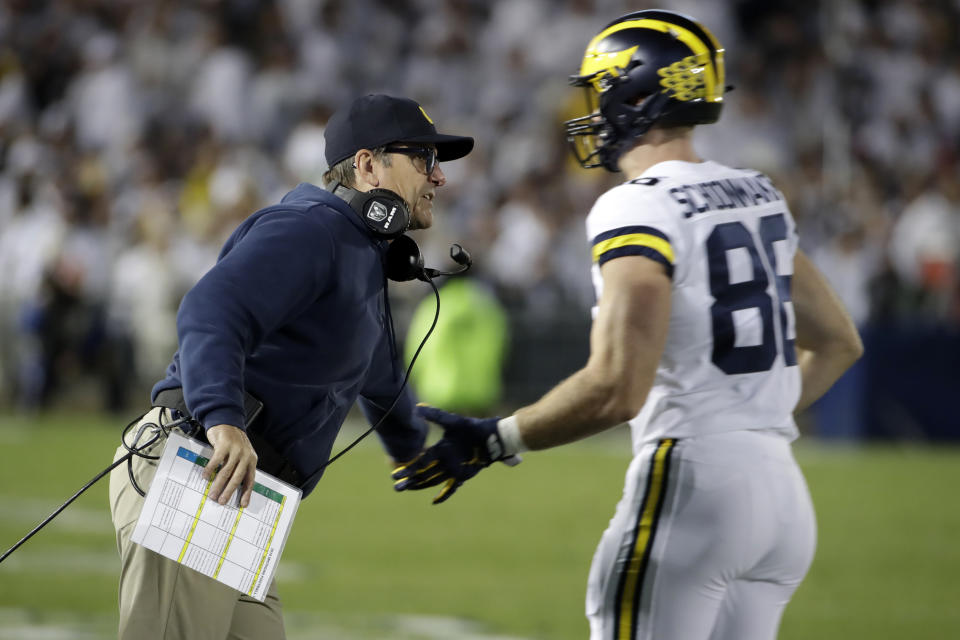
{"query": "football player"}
pixel 711 329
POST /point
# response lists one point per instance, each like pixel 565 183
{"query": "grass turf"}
pixel 509 553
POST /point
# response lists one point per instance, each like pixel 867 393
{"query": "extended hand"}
pixel 233 464
pixel 468 445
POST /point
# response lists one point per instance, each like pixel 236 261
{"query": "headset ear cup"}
pixel 404 261
pixel 384 212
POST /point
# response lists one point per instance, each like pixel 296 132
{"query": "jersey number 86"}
pixel 748 294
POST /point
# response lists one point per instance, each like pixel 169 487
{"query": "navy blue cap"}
pixel 376 120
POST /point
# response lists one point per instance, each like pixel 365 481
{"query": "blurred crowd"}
pixel 135 135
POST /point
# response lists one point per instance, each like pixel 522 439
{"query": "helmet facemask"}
pixel 586 134
pixel 615 120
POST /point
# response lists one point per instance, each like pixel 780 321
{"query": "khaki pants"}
pixel 163 600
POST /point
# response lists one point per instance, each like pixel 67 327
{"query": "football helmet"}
pixel 644 68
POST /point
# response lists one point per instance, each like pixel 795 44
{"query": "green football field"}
pixel 505 559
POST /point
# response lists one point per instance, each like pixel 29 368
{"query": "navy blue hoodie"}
pixel 293 312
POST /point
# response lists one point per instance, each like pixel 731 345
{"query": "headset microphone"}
pixel 460 255
pixel 404 262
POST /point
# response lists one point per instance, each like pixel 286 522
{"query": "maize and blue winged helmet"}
pixel 645 68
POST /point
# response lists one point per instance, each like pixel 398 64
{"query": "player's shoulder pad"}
pixel 647 182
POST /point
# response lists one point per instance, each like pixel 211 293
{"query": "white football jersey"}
pixel 727 239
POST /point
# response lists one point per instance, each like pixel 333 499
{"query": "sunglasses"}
pixel 424 158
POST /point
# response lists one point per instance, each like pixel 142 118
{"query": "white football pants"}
pixel 709 542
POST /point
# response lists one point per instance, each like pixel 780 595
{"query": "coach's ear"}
pixel 366 170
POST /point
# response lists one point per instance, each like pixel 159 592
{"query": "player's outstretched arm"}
pixel 827 339
pixel 626 342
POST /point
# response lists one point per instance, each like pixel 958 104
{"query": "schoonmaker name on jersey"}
pixel 729 193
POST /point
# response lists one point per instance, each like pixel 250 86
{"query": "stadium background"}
pixel 135 135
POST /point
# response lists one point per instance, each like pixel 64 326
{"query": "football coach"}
pixel 276 342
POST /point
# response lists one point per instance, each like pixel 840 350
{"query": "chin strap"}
pixel 628 125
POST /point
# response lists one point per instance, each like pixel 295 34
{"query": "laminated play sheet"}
pixel 237 546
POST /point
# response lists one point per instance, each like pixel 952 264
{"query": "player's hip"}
pixel 736 469
pixel 739 497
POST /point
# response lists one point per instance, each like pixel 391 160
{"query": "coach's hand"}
pixel 232 466
pixel 468 445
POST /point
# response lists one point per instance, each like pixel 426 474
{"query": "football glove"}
pixel 468 445
pixel 424 472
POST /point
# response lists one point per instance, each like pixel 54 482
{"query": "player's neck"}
pixel 658 146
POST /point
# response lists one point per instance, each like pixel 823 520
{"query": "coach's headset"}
pixel 387 216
